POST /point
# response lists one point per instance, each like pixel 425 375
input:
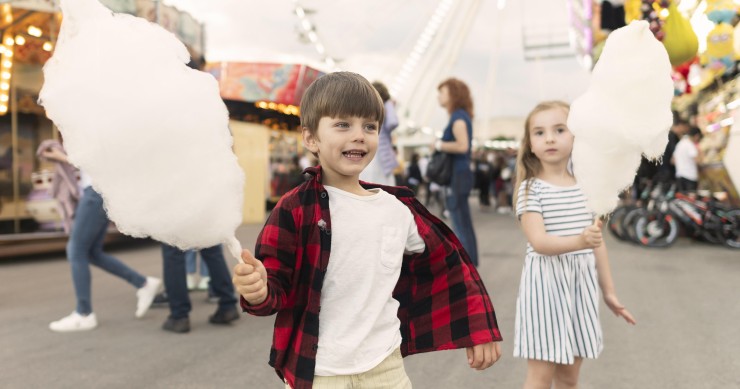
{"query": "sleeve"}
pixel 528 200
pixel 414 242
pixel 276 248
pixel 391 119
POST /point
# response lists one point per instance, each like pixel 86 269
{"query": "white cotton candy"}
pixel 152 133
pixel 626 112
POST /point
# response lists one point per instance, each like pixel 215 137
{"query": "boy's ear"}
pixel 309 141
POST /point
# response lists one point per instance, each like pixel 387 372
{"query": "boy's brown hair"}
pixel 340 94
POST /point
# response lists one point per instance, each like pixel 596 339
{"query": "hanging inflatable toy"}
pixel 680 41
pixel 720 53
pixel 721 11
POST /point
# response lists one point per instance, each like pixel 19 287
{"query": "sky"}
pixel 374 37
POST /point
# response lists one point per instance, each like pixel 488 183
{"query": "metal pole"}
pixel 14 145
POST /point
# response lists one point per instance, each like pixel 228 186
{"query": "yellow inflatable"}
pixel 632 10
pixel 680 41
pixel 720 49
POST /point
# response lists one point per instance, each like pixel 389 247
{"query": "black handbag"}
pixel 439 169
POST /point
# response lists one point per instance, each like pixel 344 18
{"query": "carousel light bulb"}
pixel 9 41
pixel 3 108
pixel 34 31
pixel 48 46
pixel 20 40
pixel 7 64
pixel 4 86
pixel 5 75
pixel 4 98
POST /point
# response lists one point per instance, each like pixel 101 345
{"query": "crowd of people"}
pixel 342 291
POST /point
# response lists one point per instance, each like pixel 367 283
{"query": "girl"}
pixel 557 321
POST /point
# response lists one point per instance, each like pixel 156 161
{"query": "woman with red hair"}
pixel 454 96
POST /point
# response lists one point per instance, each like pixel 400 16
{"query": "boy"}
pixel 349 303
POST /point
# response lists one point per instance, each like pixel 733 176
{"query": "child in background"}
pixel 359 274
pixel 557 319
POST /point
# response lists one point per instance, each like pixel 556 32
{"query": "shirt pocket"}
pixel 391 248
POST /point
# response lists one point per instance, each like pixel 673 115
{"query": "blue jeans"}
pixel 85 247
pixel 191 256
pixel 175 281
pixel 459 209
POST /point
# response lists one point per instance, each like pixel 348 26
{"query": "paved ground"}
pixel 686 300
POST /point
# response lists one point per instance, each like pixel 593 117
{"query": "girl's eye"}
pixel 538 133
pixel 561 130
pixel 371 127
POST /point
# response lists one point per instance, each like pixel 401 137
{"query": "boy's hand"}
pixel 250 279
pixel 483 356
pixel 591 235
pixel 613 303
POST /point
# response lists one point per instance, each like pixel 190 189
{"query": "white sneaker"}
pixel 191 281
pixel 145 295
pixel 203 284
pixel 74 322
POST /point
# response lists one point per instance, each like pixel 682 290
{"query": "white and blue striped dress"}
pixel 557 312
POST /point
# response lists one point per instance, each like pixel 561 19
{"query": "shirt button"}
pixel 323 195
pixel 315 347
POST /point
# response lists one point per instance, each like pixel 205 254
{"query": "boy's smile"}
pixel 345 146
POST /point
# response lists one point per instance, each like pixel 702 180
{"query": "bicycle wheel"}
pixel 628 225
pixel 731 229
pixel 656 229
pixel 616 222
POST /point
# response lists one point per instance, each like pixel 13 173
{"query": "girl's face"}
pixel 549 136
pixel 443 96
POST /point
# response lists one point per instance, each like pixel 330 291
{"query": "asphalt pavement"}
pixel 686 300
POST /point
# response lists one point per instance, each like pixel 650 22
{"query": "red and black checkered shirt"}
pixel 443 302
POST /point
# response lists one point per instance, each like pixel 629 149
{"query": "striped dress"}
pixel 557 312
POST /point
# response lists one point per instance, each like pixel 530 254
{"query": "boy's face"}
pixel 345 146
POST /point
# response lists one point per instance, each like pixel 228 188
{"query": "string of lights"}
pixel 309 30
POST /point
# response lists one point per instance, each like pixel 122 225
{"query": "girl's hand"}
pixel 613 303
pixel 483 356
pixel 591 235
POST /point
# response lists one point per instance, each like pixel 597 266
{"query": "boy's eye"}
pixel 342 125
pixel 371 127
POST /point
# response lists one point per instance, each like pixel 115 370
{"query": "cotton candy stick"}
pixel 150 132
pixel 624 114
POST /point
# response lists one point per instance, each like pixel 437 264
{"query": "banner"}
pixel 252 82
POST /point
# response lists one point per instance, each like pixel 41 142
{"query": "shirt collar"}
pixel 398 191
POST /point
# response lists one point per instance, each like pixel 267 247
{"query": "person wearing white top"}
pixel 686 158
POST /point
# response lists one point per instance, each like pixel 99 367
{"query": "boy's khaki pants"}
pixel 389 374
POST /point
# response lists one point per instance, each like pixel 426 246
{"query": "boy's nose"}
pixel 359 136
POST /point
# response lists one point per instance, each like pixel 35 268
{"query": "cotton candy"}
pixel 625 113
pixel 151 133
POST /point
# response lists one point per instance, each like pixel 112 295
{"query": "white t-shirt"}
pixel 358 320
pixel 685 156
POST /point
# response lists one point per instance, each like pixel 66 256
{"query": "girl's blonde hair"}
pixel 527 164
